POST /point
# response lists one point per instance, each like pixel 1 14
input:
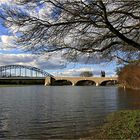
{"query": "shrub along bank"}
pixel 129 75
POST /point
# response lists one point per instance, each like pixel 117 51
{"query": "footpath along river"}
pixel 59 112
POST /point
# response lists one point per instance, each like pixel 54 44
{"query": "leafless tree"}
pixel 107 28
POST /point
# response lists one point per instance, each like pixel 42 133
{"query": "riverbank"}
pixel 119 125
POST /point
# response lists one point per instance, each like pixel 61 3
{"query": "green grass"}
pixel 119 125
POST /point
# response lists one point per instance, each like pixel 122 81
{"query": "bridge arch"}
pixel 22 71
pixel 86 83
pixel 76 80
pixel 108 82
pixel 61 82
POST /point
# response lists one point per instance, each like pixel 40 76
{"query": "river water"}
pixel 60 112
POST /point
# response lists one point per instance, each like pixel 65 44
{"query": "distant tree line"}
pixel 86 74
pixel 90 74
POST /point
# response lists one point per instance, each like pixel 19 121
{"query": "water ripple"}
pixel 37 112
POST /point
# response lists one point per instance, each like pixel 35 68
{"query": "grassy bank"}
pixel 119 125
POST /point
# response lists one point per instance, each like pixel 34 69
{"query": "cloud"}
pixel 94 58
pixel 7 42
pixel 3 1
pixel 85 58
pixel 54 65
pixel 77 72
pixel 31 60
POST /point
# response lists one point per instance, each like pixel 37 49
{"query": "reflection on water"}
pixel 38 112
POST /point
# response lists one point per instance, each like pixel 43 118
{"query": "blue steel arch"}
pixel 9 67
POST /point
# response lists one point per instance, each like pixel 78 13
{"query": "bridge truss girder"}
pixel 4 69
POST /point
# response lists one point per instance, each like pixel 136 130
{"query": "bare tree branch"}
pixel 75 26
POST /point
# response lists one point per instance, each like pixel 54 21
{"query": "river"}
pixel 60 112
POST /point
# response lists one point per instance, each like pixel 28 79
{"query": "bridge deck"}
pixel 74 80
pixel 30 78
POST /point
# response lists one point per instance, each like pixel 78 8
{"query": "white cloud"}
pixel 46 11
pixel 51 65
pixel 31 60
pixel 77 72
pixel 3 1
pixel 7 42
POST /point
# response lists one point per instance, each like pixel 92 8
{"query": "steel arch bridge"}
pixel 22 71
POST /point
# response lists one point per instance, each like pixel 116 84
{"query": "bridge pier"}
pixel 97 84
pixel 73 84
pixel 48 81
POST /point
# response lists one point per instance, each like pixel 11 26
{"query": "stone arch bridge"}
pixel 75 80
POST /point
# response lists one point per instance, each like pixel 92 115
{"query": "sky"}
pixel 55 65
